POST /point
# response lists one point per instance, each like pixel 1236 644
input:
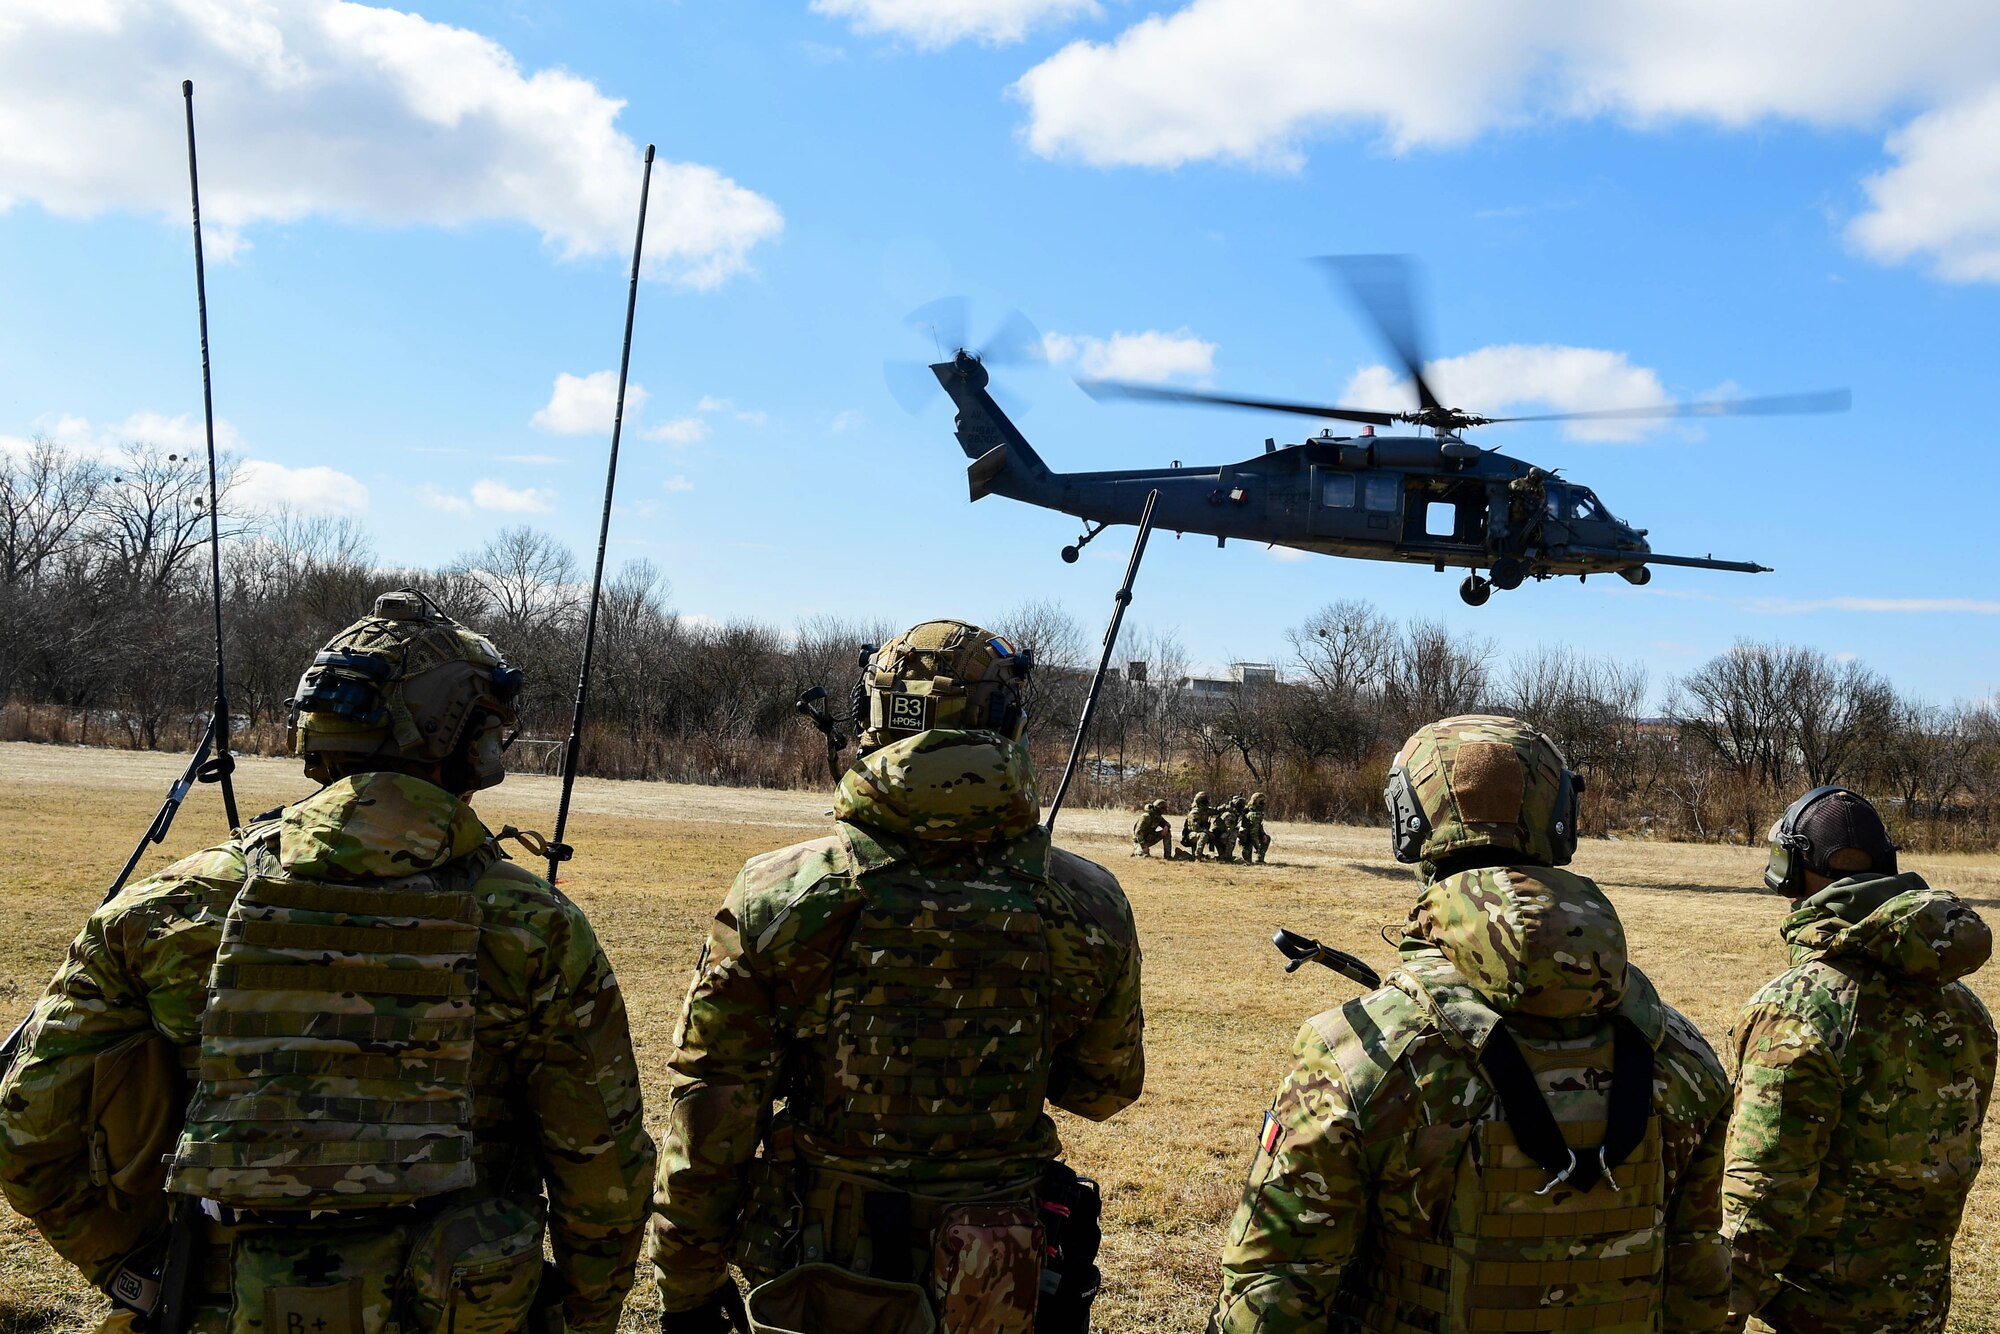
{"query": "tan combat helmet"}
pixel 1256 801
pixel 942 674
pixel 410 686
pixel 1477 781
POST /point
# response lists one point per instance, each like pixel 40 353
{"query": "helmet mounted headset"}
pixel 1817 827
pixel 1490 779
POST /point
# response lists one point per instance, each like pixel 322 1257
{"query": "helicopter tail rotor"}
pixel 1015 341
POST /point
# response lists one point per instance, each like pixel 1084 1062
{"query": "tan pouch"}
pixel 312 1280
pixel 475 1268
pixel 135 1114
pixel 826 1299
pixel 986 1268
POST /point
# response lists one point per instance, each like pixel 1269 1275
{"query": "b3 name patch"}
pixel 910 713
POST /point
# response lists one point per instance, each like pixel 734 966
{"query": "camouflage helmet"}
pixel 947 674
pixel 1201 798
pixel 1256 801
pixel 1155 806
pixel 406 683
pixel 1482 781
pixel 1236 801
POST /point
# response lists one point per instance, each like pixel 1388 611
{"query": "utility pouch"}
pixel 136 1103
pixel 475 1268
pixel 826 1299
pixel 986 1268
pixel 1070 1208
pixel 315 1281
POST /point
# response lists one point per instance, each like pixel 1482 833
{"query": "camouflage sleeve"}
pixel 139 965
pixel 1303 1206
pixel 1697 1274
pixel 1102 1069
pixel 1788 1101
pixel 582 1092
pixel 720 1085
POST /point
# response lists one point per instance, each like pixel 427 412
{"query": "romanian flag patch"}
pixel 1272 1131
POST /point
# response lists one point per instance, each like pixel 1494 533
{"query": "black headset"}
pixel 1410 828
pixel 1791 852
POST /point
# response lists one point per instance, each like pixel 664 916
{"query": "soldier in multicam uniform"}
pixel 1195 825
pixel 1227 831
pixel 913 989
pixel 1250 830
pixel 1863 1075
pixel 397 1043
pixel 1153 827
pixel 1515 1133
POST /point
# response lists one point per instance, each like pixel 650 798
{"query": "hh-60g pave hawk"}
pixel 1433 499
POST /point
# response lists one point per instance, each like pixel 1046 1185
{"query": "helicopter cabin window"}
pixel 1584 505
pixel 1337 490
pixel 1440 519
pixel 1384 495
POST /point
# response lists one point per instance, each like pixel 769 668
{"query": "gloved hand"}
pixel 720 1312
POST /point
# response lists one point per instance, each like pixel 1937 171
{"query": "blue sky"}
pixel 421 223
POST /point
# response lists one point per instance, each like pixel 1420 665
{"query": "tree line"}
pixel 104 602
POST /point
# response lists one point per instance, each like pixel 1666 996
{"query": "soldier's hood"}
pixel 1530 940
pixel 1906 928
pixel 371 826
pixel 943 786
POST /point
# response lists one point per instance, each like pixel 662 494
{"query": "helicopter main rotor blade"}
pixel 1103 389
pixel 1016 342
pixel 1774 405
pixel 1380 286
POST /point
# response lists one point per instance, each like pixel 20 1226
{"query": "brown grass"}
pixel 654 861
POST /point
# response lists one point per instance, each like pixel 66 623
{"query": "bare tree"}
pixel 1433 673
pixel 46 493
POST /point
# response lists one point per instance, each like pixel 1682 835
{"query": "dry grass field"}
pixel 654 860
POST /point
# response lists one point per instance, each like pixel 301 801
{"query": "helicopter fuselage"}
pixel 1420 499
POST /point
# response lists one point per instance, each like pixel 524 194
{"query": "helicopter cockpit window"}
pixel 1584 505
pixel 1383 494
pixel 1337 490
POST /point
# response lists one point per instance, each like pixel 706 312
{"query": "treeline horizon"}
pixel 105 598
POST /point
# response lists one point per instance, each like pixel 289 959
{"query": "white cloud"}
pixel 327 108
pixel 585 404
pixel 315 489
pixel 534 460
pixel 1253 81
pixel 488 494
pixel 750 416
pixel 937 23
pixel 845 420
pixel 676 485
pixel 1149 355
pixel 440 500
pixel 1528 377
pixel 680 431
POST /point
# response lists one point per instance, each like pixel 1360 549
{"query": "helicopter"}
pixel 1429 499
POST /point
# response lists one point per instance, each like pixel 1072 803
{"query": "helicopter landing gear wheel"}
pixel 1508 572
pixel 1090 530
pixel 1475 591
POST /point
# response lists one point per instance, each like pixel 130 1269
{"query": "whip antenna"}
pixel 559 851
pixel 218 768
pixel 1122 601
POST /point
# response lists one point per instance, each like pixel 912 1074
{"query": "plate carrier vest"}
pixel 337 1045
pixel 938 1034
pixel 1507 1257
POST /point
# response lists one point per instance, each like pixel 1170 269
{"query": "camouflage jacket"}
pixel 945 813
pixel 1369 1131
pixel 1863 1074
pixel 1151 828
pixel 553 1074
pixel 1197 821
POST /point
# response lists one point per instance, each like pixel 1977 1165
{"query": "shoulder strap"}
pixel 1534 1125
